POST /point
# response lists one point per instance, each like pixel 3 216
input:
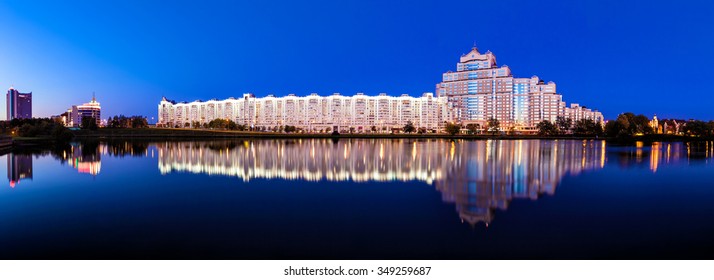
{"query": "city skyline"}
pixel 478 91
pixel 603 57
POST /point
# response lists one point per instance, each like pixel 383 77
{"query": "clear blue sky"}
pixel 642 56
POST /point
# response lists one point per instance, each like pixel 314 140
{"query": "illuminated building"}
pixel 74 115
pixel 312 113
pixel 480 90
pixel 19 105
pixel 654 124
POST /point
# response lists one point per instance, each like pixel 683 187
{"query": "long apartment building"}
pixel 336 112
pixel 480 90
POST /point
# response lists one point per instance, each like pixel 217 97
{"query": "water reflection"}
pixel 85 157
pixel 487 175
pixel 476 176
pixel 19 167
pixel 656 154
pixel 310 160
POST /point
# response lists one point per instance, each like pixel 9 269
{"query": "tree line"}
pixel 122 121
pixel 629 124
pixel 37 127
pixel 566 126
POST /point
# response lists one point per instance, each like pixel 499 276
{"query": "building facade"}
pixel 73 116
pixel 336 112
pixel 19 105
pixel 480 90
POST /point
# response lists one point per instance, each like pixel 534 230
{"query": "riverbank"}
pixel 177 133
pixel 199 134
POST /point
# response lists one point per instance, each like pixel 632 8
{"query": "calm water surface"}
pixel 359 199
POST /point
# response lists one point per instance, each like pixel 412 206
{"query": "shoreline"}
pixel 176 133
pixel 207 134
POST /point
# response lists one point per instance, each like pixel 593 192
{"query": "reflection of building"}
pixel 73 116
pixel 311 160
pixel 477 176
pixel 19 167
pixel 487 175
pixel 85 158
pixel 19 105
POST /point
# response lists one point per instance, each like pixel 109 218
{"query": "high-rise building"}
pixel 480 90
pixel 90 109
pixel 19 105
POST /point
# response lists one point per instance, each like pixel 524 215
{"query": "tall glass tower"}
pixel 19 105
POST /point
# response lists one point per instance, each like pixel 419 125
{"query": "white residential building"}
pixel 478 91
pixel 359 112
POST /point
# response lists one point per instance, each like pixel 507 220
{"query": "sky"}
pixel 646 57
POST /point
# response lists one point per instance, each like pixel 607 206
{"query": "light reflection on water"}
pixel 477 177
pixel 357 198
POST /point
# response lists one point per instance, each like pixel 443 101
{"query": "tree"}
pixel 587 127
pixel 61 133
pixel 473 128
pixel 122 121
pixel 38 127
pixel 409 127
pixel 289 128
pixel 452 128
pixel 628 124
pixel 89 123
pixel 232 125
pixel 710 128
pixel 218 124
pixel 374 129
pixel 563 124
pixel 139 122
pixel 696 128
pixel 615 128
pixel 546 128
pixel 494 126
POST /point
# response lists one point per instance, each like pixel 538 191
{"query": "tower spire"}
pixel 94 99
